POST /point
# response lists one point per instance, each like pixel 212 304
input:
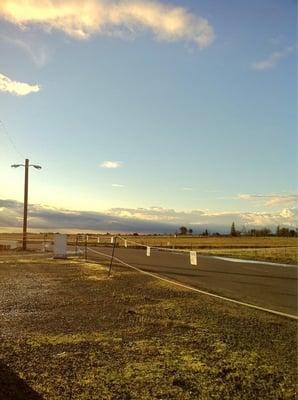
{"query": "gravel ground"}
pixel 70 332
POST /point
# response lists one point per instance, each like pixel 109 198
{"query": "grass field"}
pixel 209 242
pixel 273 249
pixel 69 332
pixel 285 255
pixel 199 242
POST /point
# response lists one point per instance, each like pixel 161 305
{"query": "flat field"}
pixel 70 332
pixel 196 242
pixel 273 249
pixel 209 242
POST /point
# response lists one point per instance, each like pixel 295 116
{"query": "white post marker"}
pixel 193 258
pixel 125 243
pixel 98 239
pixel 112 239
pixel 87 238
pixel 60 246
pixel 148 251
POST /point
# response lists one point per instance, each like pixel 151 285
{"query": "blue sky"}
pixel 194 102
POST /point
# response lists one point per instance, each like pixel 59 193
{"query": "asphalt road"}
pixel 268 286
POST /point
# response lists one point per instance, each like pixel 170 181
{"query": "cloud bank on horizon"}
pixel 144 220
pixel 81 19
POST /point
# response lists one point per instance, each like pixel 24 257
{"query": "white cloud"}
pixel 18 88
pixel 285 217
pixel 111 164
pixel 271 199
pixel 117 185
pixel 83 18
pixel 273 59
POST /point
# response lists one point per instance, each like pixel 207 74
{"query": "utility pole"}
pixel 25 217
pixel 25 205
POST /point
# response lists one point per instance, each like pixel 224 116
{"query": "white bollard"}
pixel 60 246
pixel 193 258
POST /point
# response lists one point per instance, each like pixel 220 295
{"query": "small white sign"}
pixel 112 239
pixel 60 246
pixel 193 258
pixel 148 251
pixel 125 243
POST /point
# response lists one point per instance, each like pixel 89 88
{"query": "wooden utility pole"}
pixel 26 165
pixel 25 205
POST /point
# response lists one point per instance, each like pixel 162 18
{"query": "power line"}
pixel 10 139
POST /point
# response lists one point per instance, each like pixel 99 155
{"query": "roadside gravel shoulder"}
pixel 70 332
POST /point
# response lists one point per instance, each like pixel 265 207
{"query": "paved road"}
pixel 269 286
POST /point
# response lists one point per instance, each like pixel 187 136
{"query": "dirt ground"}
pixel 70 332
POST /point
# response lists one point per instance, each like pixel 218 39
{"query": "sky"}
pixel 148 115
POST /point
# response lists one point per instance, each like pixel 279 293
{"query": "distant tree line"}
pixel 285 232
pixel 183 230
pixel 280 231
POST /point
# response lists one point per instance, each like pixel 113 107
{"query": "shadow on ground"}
pixel 12 387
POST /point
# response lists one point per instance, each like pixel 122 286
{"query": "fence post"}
pixel 112 258
pixel 85 247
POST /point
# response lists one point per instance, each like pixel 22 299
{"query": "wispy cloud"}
pixel 111 164
pixel 37 53
pixel 271 61
pixel 271 199
pixel 81 19
pixel 15 87
pixel 150 220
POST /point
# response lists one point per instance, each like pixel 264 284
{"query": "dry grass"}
pixel 284 255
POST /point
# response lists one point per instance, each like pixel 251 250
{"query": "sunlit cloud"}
pixel 273 59
pixel 111 164
pixel 271 199
pixel 198 218
pixel 84 18
pixel 15 87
